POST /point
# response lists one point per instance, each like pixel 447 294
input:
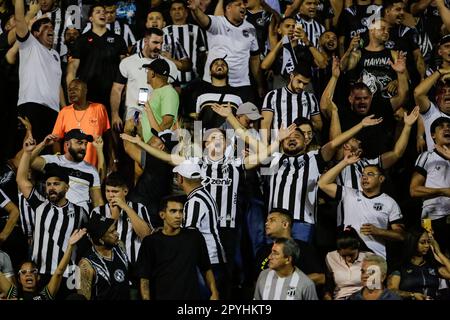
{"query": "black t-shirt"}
pixel 154 184
pixel 374 70
pixel 170 263
pixel 423 279
pixel 99 62
pixel 308 262
pixel 375 139
pixel 260 21
pixel 405 39
pixel 205 94
pixel 354 20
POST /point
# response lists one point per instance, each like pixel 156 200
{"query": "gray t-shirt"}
pixel 297 286
pixel 5 265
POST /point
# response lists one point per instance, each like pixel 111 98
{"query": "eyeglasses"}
pixel 370 174
pixel 25 271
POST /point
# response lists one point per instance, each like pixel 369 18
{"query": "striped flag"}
pixel 289 58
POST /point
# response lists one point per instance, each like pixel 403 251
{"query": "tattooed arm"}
pixel 87 277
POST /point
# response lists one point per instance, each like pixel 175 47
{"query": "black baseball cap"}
pixel 98 225
pixel 445 39
pixel 439 121
pixel 167 137
pixel 78 134
pixel 53 170
pixel 159 66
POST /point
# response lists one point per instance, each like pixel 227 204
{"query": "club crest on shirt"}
pixel 389 44
pixel 110 39
pixel 291 292
pixel 245 33
pixel 119 275
pixel 378 206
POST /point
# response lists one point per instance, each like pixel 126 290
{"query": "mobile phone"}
pixel 135 122
pixel 143 96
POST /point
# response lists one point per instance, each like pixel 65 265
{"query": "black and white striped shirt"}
pixel 287 106
pixel 4 199
pixel 293 184
pixel 312 28
pixel 200 212
pixel 221 180
pixel 296 286
pixel 192 39
pixel 27 215
pixel 53 228
pixel 119 28
pixel 124 227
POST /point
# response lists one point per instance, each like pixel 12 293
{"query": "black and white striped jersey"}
pixel 192 39
pixel 287 106
pixel 127 235
pixel 120 28
pixel 296 286
pixel 200 212
pixel 4 199
pixel 53 228
pixel 293 184
pixel 312 28
pixel 221 180
pixel 27 215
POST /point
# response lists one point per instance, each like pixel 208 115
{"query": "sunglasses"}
pixel 32 271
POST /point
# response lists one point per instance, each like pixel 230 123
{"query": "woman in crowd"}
pixel 344 266
pixel 418 276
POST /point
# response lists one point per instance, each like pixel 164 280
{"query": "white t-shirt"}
pixel 39 73
pixel 428 117
pixel 436 171
pixel 82 177
pixel 131 69
pixel 379 211
pixel 234 42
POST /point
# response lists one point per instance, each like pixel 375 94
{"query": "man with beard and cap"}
pixel 218 91
pixel 104 268
pixel 56 217
pixel 132 75
pixel 84 186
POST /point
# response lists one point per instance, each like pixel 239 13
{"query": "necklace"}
pixel 79 120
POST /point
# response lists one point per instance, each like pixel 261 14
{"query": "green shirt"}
pixel 163 101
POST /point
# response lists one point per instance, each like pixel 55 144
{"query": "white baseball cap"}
pixel 188 169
